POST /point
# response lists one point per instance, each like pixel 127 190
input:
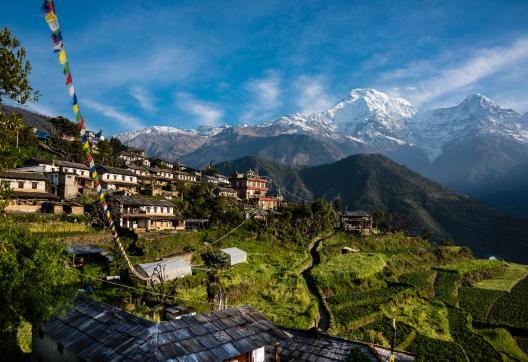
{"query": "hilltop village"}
pixel 225 268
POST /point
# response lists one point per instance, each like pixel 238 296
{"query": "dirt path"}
pixel 324 314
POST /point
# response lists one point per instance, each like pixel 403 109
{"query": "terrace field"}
pixel 447 305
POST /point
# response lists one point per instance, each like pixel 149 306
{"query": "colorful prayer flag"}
pixel 62 56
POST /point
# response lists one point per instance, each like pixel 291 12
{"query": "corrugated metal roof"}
pixel 96 331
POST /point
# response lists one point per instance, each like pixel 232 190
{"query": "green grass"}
pixel 472 265
pixel 429 319
pixel 355 266
pixel 429 349
pixel 59 227
pixel 475 347
pixel 446 287
pixel 270 281
pixel 503 342
pixel 505 281
pixel 478 302
pixel 511 308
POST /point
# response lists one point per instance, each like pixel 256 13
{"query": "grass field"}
pixel 503 342
pixel 429 319
pixel 355 266
pixel 513 273
pixel 472 265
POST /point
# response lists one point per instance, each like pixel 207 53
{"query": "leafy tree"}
pixel 33 280
pixel 14 70
pixel 210 171
pixel 14 85
pixel 5 194
pixel 216 262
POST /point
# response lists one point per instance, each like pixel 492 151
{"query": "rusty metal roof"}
pixel 96 331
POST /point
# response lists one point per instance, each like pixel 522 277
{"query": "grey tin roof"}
pixel 96 331
pixel 313 346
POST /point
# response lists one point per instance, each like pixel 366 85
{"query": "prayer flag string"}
pixel 50 15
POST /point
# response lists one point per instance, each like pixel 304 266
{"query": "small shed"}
pixel 236 255
pixel 168 269
pixel 83 254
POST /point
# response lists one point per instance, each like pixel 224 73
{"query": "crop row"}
pixel 511 308
pixel 478 302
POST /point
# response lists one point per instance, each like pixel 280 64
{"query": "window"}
pixel 123 177
pixel 41 333
pixel 20 184
pixel 115 177
pixel 60 348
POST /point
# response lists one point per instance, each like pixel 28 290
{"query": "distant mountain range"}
pixel 475 147
pixel 374 182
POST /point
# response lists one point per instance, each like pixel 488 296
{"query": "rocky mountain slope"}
pixel 374 182
pixel 474 147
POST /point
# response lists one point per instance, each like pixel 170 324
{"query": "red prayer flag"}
pixel 68 79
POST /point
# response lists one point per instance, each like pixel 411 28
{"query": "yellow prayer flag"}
pixel 62 56
pixel 76 108
pixel 50 17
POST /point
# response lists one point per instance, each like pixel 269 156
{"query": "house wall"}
pixel 22 209
pixel 46 349
pixel 27 185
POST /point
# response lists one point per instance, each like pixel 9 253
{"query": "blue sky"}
pixel 187 63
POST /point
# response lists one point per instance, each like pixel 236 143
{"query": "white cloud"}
pixel 312 94
pixel 265 93
pixel 143 97
pixel 430 85
pixel 204 113
pixel 124 119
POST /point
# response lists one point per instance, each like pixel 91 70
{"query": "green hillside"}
pixel 374 183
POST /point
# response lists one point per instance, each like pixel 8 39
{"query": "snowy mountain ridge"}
pixel 383 122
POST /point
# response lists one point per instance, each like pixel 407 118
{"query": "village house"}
pixel 184 176
pixel 95 331
pixel 134 157
pixel 225 192
pixel 39 165
pixel 211 180
pixel 358 222
pixel 253 188
pixel 142 173
pixel 222 180
pixel 67 179
pixel 146 214
pixel 119 179
pixel 162 175
pixel 162 164
pixel 29 191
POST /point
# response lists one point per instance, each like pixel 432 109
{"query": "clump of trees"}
pixel 302 222
pixel 33 280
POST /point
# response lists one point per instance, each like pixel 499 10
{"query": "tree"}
pixel 216 262
pixel 6 193
pixel 33 280
pixel 14 85
pixel 14 70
